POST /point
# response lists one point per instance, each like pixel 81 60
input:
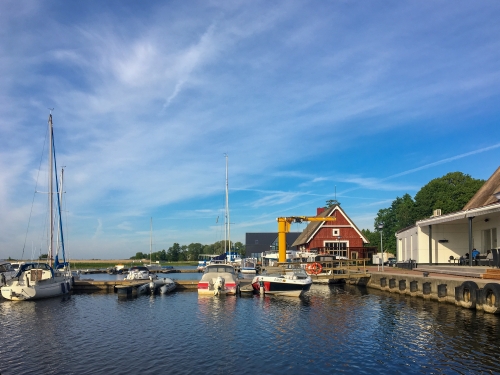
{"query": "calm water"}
pixel 332 329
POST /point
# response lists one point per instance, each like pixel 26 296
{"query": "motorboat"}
pixel 249 266
pixel 139 273
pixel 292 282
pixel 7 272
pixel 36 280
pixel 219 279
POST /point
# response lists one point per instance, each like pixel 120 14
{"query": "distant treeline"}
pixel 190 252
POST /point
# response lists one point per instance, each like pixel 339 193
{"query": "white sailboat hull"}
pixel 20 291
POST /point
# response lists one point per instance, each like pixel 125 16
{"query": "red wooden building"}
pixel 340 236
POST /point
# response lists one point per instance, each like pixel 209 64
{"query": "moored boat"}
pixel 249 265
pixel 36 280
pixel 293 282
pixel 219 279
pixel 7 272
pixel 139 273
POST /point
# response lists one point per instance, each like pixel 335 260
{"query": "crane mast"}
pixel 284 228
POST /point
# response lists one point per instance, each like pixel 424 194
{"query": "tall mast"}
pixel 227 227
pixel 151 241
pixel 51 189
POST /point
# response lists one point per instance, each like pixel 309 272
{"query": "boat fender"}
pixel 68 286
pixel 3 279
pixel 489 297
pixel 63 288
pixel 466 294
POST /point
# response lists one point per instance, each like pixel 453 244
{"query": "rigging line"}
pixel 34 194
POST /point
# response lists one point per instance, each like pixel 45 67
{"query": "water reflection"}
pixel 332 328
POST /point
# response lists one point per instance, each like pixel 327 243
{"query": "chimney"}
pixel 319 210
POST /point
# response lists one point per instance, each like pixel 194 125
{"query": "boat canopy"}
pixel 30 266
pixel 219 268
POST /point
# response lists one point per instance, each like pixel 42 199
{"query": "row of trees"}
pixel 449 193
pixel 176 252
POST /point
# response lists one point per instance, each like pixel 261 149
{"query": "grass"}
pixel 103 264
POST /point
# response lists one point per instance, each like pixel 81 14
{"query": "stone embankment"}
pixel 468 287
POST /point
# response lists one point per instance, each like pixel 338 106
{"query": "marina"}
pixel 350 328
pixel 463 286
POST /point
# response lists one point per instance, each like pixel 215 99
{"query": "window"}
pixel 337 248
pixel 336 232
pixel 489 239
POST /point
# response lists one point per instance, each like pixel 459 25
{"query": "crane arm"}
pixel 284 228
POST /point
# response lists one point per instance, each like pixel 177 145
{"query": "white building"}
pixel 443 237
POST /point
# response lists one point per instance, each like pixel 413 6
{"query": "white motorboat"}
pixel 219 279
pixel 249 266
pixel 292 282
pixel 139 273
pixel 39 280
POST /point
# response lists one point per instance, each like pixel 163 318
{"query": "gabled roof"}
pixel 314 226
pixel 484 195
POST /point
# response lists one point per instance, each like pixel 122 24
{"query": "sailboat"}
pixel 221 278
pixel 35 280
pixel 232 257
pixel 152 266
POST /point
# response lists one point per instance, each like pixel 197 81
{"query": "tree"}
pixel 173 252
pixel 139 255
pixel 194 250
pixel 331 203
pixel 449 193
pixel 240 249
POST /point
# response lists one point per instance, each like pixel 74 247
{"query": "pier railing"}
pixel 332 269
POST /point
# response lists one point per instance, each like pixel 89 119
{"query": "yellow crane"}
pixel 284 228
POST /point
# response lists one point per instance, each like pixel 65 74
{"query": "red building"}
pixel 339 236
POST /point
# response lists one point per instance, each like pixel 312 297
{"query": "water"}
pixel 332 329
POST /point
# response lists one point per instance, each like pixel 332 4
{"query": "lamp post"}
pixel 380 227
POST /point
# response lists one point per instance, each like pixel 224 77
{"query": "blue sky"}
pixel 371 99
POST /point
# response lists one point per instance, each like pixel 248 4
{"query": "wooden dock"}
pixel 93 286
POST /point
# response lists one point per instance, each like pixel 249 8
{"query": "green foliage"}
pixel 43 256
pixel 449 193
pixel 189 253
pixel 331 203
pixel 139 255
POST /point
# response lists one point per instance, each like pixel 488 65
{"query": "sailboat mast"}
pixel 51 198
pixel 228 225
pixel 151 241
